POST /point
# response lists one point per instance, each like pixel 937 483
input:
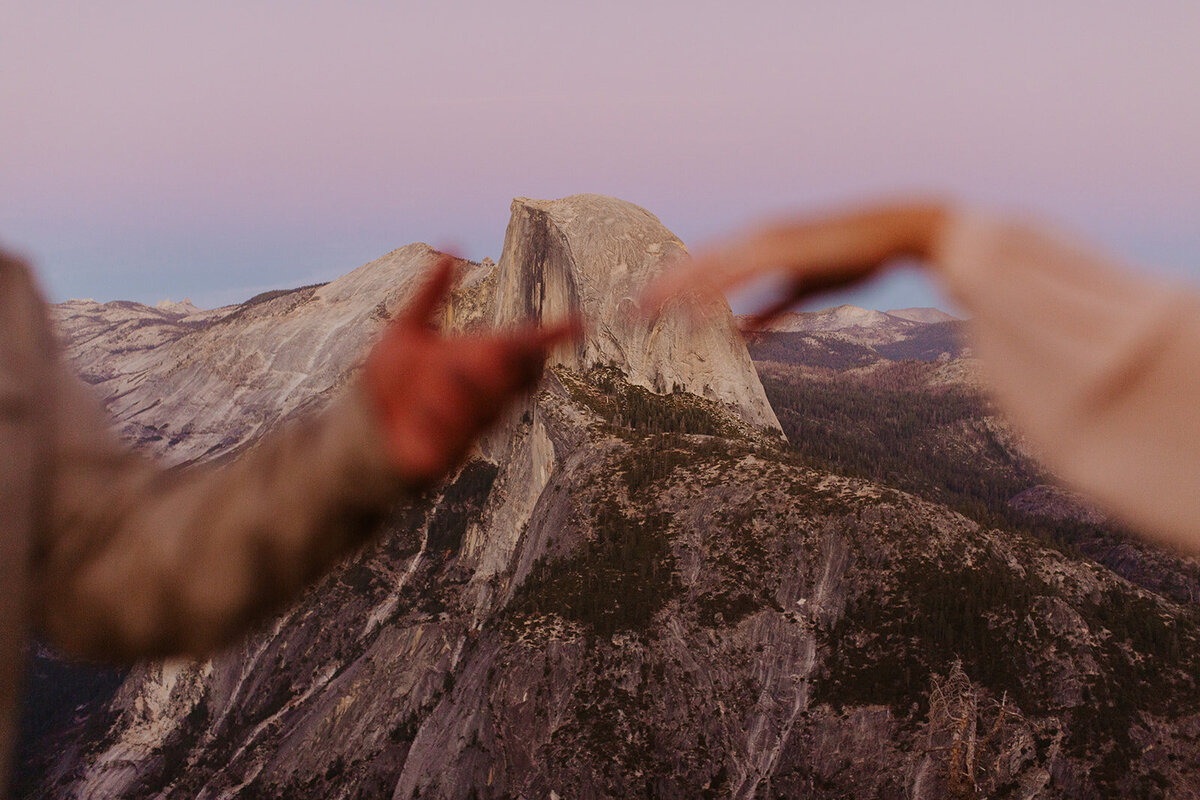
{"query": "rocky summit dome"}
pixel 596 255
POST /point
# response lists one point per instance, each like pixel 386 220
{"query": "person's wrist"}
pixel 358 452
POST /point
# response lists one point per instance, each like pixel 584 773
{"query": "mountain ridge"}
pixel 869 325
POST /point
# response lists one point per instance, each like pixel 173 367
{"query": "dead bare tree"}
pixel 958 712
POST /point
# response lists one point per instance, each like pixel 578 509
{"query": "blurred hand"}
pixel 813 255
pixel 436 394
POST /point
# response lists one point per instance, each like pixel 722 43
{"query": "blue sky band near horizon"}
pixel 213 151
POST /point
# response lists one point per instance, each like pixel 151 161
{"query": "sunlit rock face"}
pixel 596 254
pixel 196 384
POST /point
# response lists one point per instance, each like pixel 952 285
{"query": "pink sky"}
pixel 149 151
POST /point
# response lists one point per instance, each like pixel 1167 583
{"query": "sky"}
pixel 213 150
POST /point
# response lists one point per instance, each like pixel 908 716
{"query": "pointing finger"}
pixel 533 345
pixel 793 294
pixel 525 351
pixel 543 338
pixel 496 366
pixel 708 275
pixel 681 276
pixel 421 309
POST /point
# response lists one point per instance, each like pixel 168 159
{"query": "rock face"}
pixel 195 385
pixel 597 254
pixel 631 592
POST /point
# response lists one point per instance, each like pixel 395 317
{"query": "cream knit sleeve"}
pixel 134 561
pixel 1097 365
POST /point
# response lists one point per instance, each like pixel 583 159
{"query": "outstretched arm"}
pixel 1099 367
pixel 812 255
pixel 133 561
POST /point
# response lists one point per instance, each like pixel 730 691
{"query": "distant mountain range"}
pixel 848 336
pixel 637 587
pixel 925 315
pixel 853 321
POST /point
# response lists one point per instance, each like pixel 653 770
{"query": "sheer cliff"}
pixel 597 253
pixel 636 587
